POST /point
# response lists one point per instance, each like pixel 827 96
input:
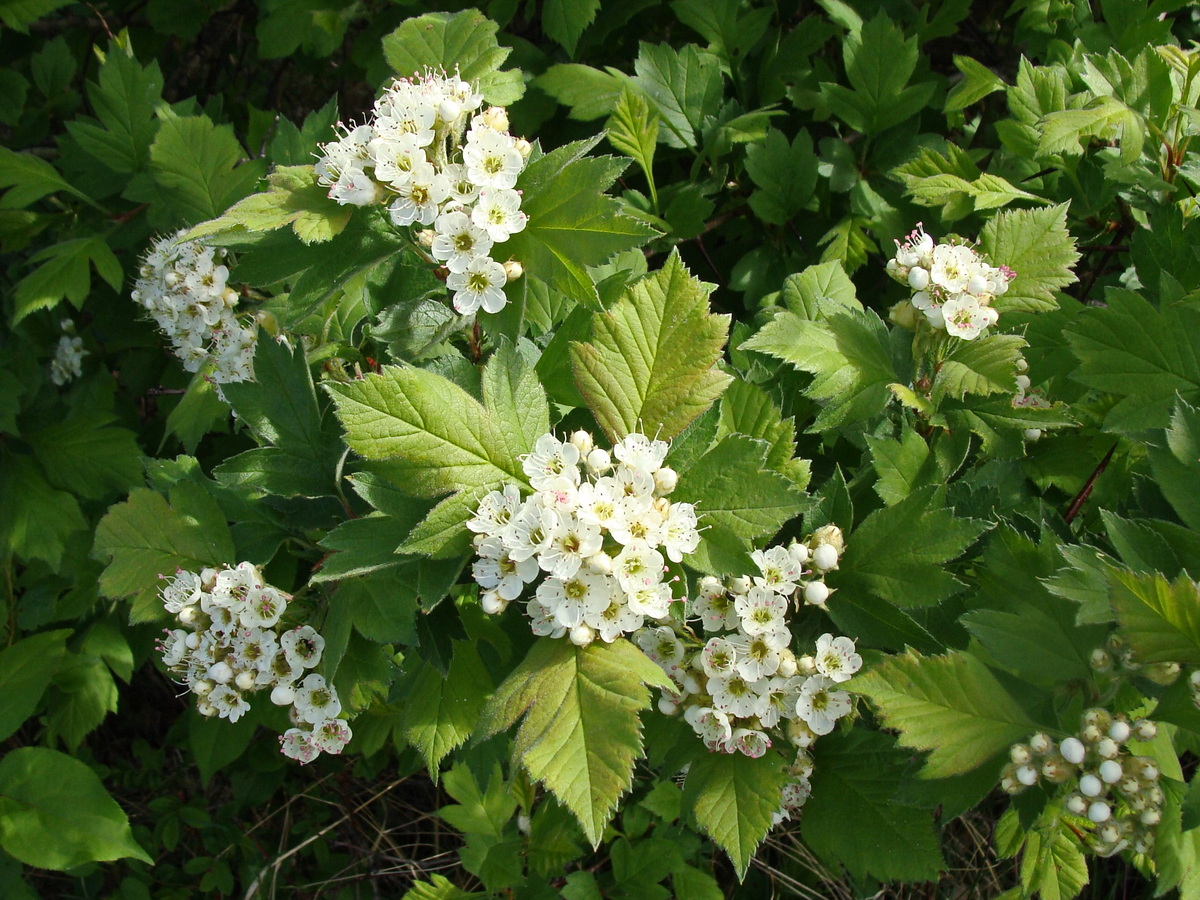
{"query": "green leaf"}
pixel 732 798
pixel 38 520
pixel 81 696
pixel 785 176
pixel 88 455
pixel 280 407
pixel 26 668
pixel 581 733
pixel 146 537
pixel 572 223
pixel 478 813
pixel 950 705
pixel 441 709
pixel 959 197
pixel 1139 354
pixel 748 409
pixel 898 553
pixel 986 365
pixel 1177 465
pixel 30 178
pixel 978 81
pixel 20 14
pixel 848 354
pixel 1104 118
pixel 633 130
pixel 65 272
pixel 589 92
pixel 1053 864
pixel 879 62
pixel 737 494
pixel 564 21
pixel 293 197
pixel 651 364
pixel 439 887
pixel 463 41
pixel 818 289
pixel 215 743
pixel 1001 423
pixel 903 465
pixel 685 86
pixel 55 813
pixel 196 167
pixel 363 546
pixel 1160 619
pixel 853 817
pixel 1036 245
pixel 437 438
pixel 124 98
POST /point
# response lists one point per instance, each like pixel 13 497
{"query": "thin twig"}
pixel 1086 490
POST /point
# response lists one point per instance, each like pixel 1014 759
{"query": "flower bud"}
pixel 192 641
pixel 203 687
pixel 283 695
pixel 1097 716
pixel 513 270
pixel 600 563
pixel 739 585
pixel 799 733
pixel 905 315
pixel 829 534
pixel 1144 769
pixel 1099 811
pixel 229 297
pixel 582 635
pixel 918 278
pixel 1107 748
pixel 665 480
pixel 1109 833
pixel 1077 804
pixel 1151 817
pixel 690 684
pixel 1020 754
pixel 787 664
pixel 1100 660
pixel 1032 434
pixel 582 441
pixel 189 615
pixel 1119 731
pixel 1072 750
pixel 1027 775
pixel 1129 786
pixel 1057 769
pixel 220 672
pixel 172 279
pixel 1194 680
pixel 1010 785
pixel 806 665
pixel 825 557
pixel 425 237
pixel 816 593
pixel 1041 744
pixel 1145 730
pixel 1091 786
pixel 667 706
pixel 523 147
pixel 265 319
pixel 799 554
pixel 244 680
pixel 206 709
pixel 599 461
pixel 1110 771
pixel 496 117
pixel 448 111
pixel 1023 382
pixel 492 603
pixel 1091 733
pixel 523 823
pixel 1163 673
pixel 976 285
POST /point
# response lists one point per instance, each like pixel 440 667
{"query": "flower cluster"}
pixel 952 284
pixel 744 684
pixel 599 532
pixel 436 161
pixel 229 647
pixel 182 285
pixel 68 355
pixel 1116 790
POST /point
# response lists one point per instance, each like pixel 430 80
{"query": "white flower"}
pixel 751 742
pixel 530 530
pixel 498 212
pixel 302 647
pixel 495 570
pixel 496 510
pixel 760 655
pixel 637 566
pixel 263 607
pixel 712 726
pixel 480 283
pixel 568 601
pixel 965 317
pixel 297 744
pixel 953 266
pixel 761 611
pixel 395 158
pixel 419 196
pixel 492 159
pixel 819 706
pixel 600 503
pixel 780 572
pixel 662 646
pixel 353 187
pixel 641 452
pixel 614 620
pixel 552 464
pixel 229 702
pixel 458 241
pixel 652 600
pixel 836 658
pixel 639 522
pixel 679 532
pixel 331 736
pixel 736 696
pixel 68 359
pixel 716 612
pixel 718 658
pixel 316 701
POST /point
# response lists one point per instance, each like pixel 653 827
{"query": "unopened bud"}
pixel 582 635
pixel 1194 679
pixel 206 709
pixel 1091 733
pixel 203 687
pixel 283 695
pixel 739 585
pixel 829 534
pixel 448 111
pixel 1099 812
pixel 1027 775
pixel 192 641
pixel 1110 771
pixel 905 315
pixel 492 603
pixel 1144 769
pixel 667 706
pixel 1107 748
pixel 523 147
pixel 1057 769
pixel 816 593
pixel 806 665
pixel 513 270
pixel 220 672
pixel 799 733
pixel 825 557
pixel 188 615
pixel 1033 434
pixel 244 680
pixel 799 554
pixel 172 279
pixel 1145 730
pixel 1151 817
pixel 229 297
pixel 599 461
pixel 1163 673
pixel 1020 754
pixel 1101 660
pixel 1077 804
pixel 267 322
pixel 1072 750
pixel 425 237
pixel 1119 731
pixel 1041 744
pixel 665 480
pixel 582 441
pixel 496 117
pixel 1023 382
pixel 1091 786
pixel 787 664
pixel 600 563
pixel 918 278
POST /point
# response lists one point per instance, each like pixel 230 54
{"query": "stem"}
pixel 1086 491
